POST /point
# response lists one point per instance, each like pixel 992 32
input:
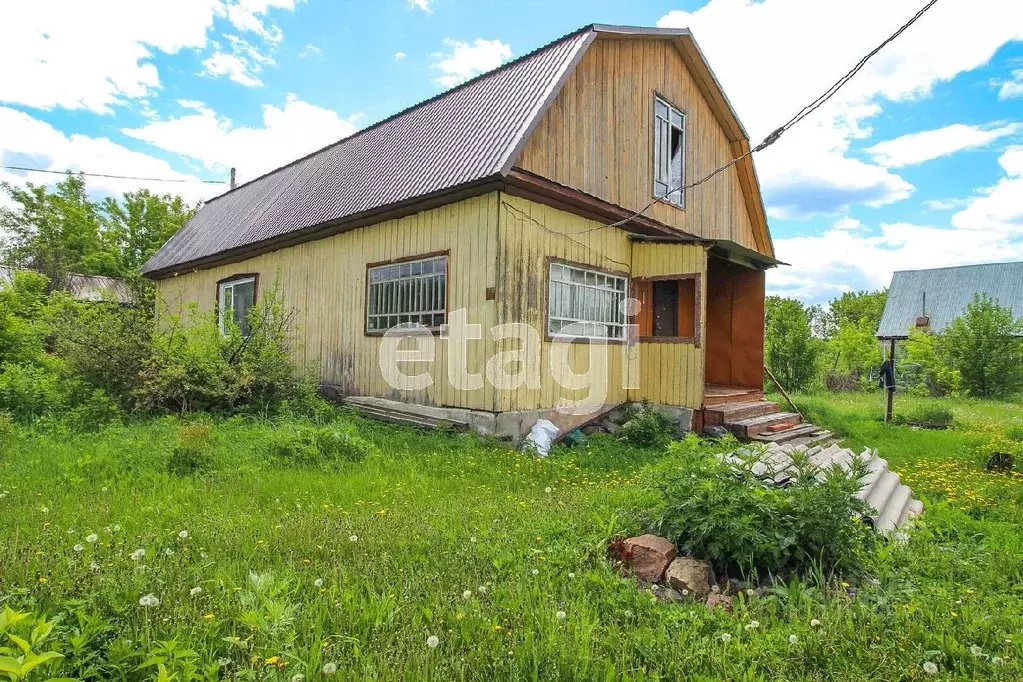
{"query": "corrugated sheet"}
pixel 461 136
pixel 948 291
pixel 86 287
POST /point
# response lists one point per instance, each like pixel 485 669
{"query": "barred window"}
pixel 409 293
pixel 669 152
pixel 235 298
pixel 585 303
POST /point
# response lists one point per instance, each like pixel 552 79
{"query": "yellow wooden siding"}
pixel 324 281
pixel 530 234
pixel 597 137
pixel 672 373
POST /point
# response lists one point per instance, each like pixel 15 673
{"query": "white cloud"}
pixel 242 64
pixel 826 265
pixel 193 104
pixel 64 53
pixel 943 204
pixel 28 142
pixel 421 4
pixel 246 15
pixel 802 47
pixel 398 56
pixel 287 133
pixel 926 145
pixel 309 50
pixel 999 207
pixel 1012 88
pixel 465 60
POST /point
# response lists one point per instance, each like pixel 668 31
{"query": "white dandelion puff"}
pixel 472 539
pixel 685 592
pixel 726 638
pixel 997 660
pixel 571 574
pixel 536 571
pixel 169 551
pixel 298 677
pixel 561 615
pixel 183 534
pixel 195 591
pixel 93 566
pixel 78 548
pixel 547 490
pixel 753 625
pixel 117 527
pixel 353 538
pixel 814 623
pixel 149 600
pixel 223 662
pixel 715 589
pixel 432 641
pixel 482 589
pixel 318 582
pixel 750 592
pixel 329 668
pixel 466 594
pixel 931 668
pixel 91 537
pixel 793 639
pixel 138 554
pixel 46 510
pixel 976 650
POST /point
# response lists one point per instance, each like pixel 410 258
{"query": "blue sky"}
pixel 918 162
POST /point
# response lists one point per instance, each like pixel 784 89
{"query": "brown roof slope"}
pixel 462 138
pixel 463 135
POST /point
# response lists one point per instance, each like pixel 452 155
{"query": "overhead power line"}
pixel 778 132
pixel 116 177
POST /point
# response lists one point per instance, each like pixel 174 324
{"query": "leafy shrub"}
pixel 191 455
pixel 646 427
pixel 741 523
pixel 309 446
pixel 29 391
pixel 931 415
pixel 196 367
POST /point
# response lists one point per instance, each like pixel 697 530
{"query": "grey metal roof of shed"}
pixel 948 292
pixel 86 287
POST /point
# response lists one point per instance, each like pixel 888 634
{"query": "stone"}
pixel 689 574
pixel 716 600
pixel 648 556
pixel 667 595
pixel 609 426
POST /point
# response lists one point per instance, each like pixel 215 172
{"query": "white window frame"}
pixel 575 290
pixel 666 119
pixel 222 289
pixel 424 296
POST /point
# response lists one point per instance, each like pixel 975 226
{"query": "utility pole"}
pixel 890 384
pixel 233 185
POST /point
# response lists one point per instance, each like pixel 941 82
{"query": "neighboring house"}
pixel 931 299
pixel 86 287
pixel 503 197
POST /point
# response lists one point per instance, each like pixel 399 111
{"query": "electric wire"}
pixel 116 177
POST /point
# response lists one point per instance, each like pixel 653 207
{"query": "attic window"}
pixel 669 152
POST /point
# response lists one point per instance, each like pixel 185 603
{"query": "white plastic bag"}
pixel 541 437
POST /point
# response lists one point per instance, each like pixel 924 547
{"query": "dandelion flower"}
pixel 78 548
pixel 91 538
pixel 138 554
pixel 353 538
pixel 432 641
pixel 536 571
pixel 104 489
pixel 46 510
pixel 751 592
pixel 329 668
pixel 571 575
pixel 149 600
pixel 466 594
pixel 997 660
pixel 547 490
pixel 685 592
pixel 976 650
pixel 753 625
pixel 195 592
pixel 93 566
pixel 793 639
pixel 814 623
pixel 117 527
pixel 472 539
pixel 561 615
pixel 223 662
pixel 169 551
pixel 298 677
pixel 183 534
pixel 726 638
pixel 931 668
pixel 318 582
pixel 482 589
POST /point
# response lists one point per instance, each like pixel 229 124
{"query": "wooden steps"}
pixel 759 420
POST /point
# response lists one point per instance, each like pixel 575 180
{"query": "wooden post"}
pixel 785 395
pixel 233 185
pixel 890 388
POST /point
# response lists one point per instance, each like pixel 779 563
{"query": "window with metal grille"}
pixel 585 303
pixel 669 152
pixel 407 294
pixel 235 297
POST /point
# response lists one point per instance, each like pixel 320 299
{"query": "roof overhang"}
pixel 736 253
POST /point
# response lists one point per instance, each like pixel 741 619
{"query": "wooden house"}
pixel 545 192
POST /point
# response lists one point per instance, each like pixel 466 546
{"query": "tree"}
pixel 790 349
pixel 985 346
pixel 859 307
pixel 139 224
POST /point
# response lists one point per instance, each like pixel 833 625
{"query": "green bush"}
pixel 191 454
pixel 646 427
pixel 742 524
pixel 931 415
pixel 310 446
pixel 29 391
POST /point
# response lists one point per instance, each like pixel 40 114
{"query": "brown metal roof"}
pixel 459 139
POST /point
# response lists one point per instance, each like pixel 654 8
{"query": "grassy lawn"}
pixel 498 555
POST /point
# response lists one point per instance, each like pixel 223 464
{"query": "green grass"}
pixel 435 515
